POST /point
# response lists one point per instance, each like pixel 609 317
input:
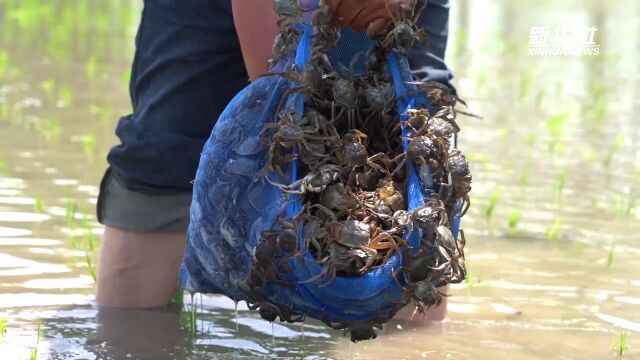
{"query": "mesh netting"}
pixel 232 206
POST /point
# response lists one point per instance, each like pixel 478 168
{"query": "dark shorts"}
pixel 187 67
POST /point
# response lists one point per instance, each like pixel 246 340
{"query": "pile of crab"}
pixel 352 164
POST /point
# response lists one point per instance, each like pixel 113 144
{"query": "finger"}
pixel 377 27
pixel 352 18
pixel 336 9
pixel 368 15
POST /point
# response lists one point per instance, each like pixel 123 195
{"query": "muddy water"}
pixel 552 233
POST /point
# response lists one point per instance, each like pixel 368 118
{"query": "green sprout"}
pixel 37 205
pixel 126 76
pixel 48 86
pixel 514 218
pixel 610 256
pixel 3 328
pixel 471 280
pixel 89 245
pixel 92 268
pixel 525 85
pixel 560 181
pixel 4 62
pixel 4 168
pixel 70 209
pixel 34 351
pixel 621 347
pixel 621 209
pixel 555 125
pixel 615 148
pixel 178 299
pixel 579 246
pixel 526 174
pixel 531 138
pixel 191 320
pixel 554 232
pixel 89 142
pixel 539 98
pixel 50 128
pixel 66 94
pixel 91 67
pixel 493 201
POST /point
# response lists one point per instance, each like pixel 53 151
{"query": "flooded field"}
pixel 553 232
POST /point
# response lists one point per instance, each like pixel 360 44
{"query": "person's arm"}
pixel 427 60
pixel 255 23
pixel 370 15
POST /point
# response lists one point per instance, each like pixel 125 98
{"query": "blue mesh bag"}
pixel 231 207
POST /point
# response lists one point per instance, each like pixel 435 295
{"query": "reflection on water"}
pixel 553 230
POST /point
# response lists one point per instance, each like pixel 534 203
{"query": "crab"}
pixel 404 31
pixel 288 236
pixel 327 33
pixel 429 216
pixel 314 182
pixel 271 312
pixel 460 180
pixel 430 156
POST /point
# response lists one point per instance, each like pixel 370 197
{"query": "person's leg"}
pixel 138 269
pixel 187 67
pixel 142 246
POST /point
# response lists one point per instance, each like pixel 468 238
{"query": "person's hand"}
pixel 372 16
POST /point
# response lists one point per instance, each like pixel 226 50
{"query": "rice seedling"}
pixel 471 280
pixel 194 312
pixel 4 168
pixel 526 174
pixel 560 181
pixel 595 111
pixel 89 244
pixel 613 150
pixel 70 209
pixel 5 110
pixel 477 158
pixel 589 156
pixel 539 98
pixel 126 76
pixel 513 220
pixel 610 255
pixel 3 328
pixel 66 94
pixel 598 112
pixel 481 81
pixel 91 267
pixel 178 299
pixel 49 129
pixel 579 247
pixel 531 138
pixel 621 347
pixel 493 202
pixel 89 143
pixel 4 62
pixel 48 86
pixel 34 350
pixel 503 134
pixel 555 125
pixel 37 205
pixel 188 317
pixel 91 67
pixel 554 232
pixel 525 85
